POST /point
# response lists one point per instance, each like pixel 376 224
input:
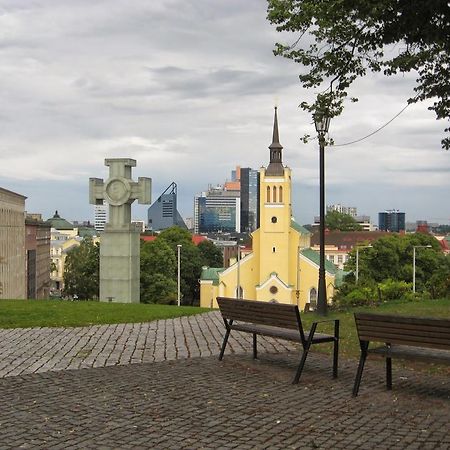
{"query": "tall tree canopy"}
pixel 335 220
pixel 81 270
pixel 341 40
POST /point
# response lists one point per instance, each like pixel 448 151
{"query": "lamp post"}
pixel 357 260
pixel 322 123
pixel 178 279
pixel 414 263
pixel 238 287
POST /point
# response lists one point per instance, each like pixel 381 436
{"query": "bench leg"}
pixel 255 351
pixel 388 374
pixel 224 344
pixel 306 348
pixel 364 346
pixel 336 349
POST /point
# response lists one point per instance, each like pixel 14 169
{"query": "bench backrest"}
pixel 416 331
pixel 261 313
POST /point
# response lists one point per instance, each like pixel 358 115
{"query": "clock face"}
pixel 117 191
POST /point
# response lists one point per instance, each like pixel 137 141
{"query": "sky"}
pixel 187 88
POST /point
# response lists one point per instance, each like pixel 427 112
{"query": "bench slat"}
pixel 406 352
pixel 433 321
pixel 405 327
pixel 431 336
pixel 281 315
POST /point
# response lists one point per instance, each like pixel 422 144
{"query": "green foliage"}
pixel 335 220
pixel 191 260
pixel 81 270
pixel 387 268
pixel 158 272
pixel 344 40
pixel 158 288
pixel 211 255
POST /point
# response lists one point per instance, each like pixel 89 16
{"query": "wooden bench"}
pixel 275 320
pixel 415 338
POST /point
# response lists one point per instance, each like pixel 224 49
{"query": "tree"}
pixel 81 270
pixel 210 254
pixel 346 39
pixel 158 271
pixel 391 258
pixel 335 220
pixel 190 260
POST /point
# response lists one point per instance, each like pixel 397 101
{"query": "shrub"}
pixel 394 290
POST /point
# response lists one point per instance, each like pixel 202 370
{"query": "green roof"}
pixel 314 256
pixel 87 231
pixel 59 223
pixel 211 274
pixel 299 228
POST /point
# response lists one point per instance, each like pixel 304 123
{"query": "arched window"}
pixel 274 194
pixel 280 194
pixel 312 298
pixel 268 194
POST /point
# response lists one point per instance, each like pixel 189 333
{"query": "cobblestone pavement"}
pixel 201 403
pixel 181 397
pixel 34 350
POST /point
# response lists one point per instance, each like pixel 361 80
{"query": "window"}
pixel 280 194
pixel 313 298
pixel 273 249
pixel 274 194
pixel 340 259
pixel 274 219
pixel 273 289
pixel 268 194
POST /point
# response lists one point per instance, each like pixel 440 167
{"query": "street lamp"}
pixel 322 123
pixel 179 267
pixel 414 263
pixel 357 259
pixel 238 287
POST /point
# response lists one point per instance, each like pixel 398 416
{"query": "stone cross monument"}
pixel 119 243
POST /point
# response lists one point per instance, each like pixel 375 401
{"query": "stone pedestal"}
pixel 120 266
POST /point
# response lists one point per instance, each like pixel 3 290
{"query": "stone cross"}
pixel 119 243
pixel 120 191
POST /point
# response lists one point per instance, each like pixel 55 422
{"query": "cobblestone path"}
pixel 35 350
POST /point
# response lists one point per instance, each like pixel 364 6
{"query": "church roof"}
pixel 211 274
pixel 314 256
pixel 59 223
pixel 299 228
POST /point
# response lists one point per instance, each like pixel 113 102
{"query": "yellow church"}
pixel 281 267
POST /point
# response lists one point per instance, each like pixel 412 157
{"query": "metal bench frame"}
pixel 415 338
pixel 276 320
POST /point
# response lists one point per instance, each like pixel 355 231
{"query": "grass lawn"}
pixel 348 342
pixel 60 313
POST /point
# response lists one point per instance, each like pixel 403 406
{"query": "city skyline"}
pixel 86 82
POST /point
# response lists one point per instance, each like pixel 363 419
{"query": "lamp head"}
pixel 322 122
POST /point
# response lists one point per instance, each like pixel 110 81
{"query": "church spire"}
pixel 275 166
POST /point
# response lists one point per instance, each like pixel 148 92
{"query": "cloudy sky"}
pixel 187 88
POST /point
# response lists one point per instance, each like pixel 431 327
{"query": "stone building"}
pixel 37 243
pixel 12 245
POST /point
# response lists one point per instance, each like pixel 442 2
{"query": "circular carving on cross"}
pixel 117 191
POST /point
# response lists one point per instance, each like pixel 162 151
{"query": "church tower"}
pixel 275 216
pixel 281 266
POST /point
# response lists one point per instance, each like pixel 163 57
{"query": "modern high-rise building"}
pixel 350 210
pixel 163 212
pixel 391 220
pixel 217 210
pixel 249 200
pixel 100 216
